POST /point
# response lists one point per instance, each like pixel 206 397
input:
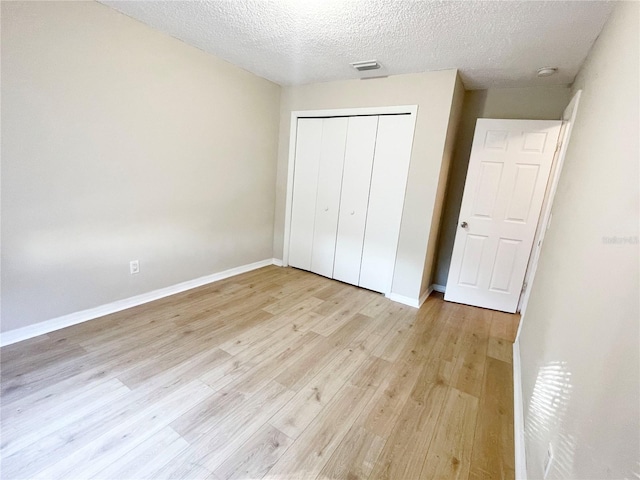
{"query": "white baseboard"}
pixel 425 295
pixel 518 416
pixel 277 262
pixel 30 331
pixel 438 288
pixel 412 302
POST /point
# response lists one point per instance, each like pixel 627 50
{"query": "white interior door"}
pixel 329 185
pixel 356 179
pixel 305 185
pixel 386 201
pixel 506 181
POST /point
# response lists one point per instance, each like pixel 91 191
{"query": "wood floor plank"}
pixel 375 307
pixel 23 431
pixel 290 297
pixel 390 398
pixel 181 361
pixel 145 456
pixel 93 424
pixel 394 342
pixel 256 457
pixel 318 442
pixel 298 375
pixel 298 413
pixel 355 457
pixel 203 417
pixel 371 373
pixel 218 439
pixel 89 457
pixel 261 374
pixel 449 455
pixel 178 469
pixel 341 316
pixel 287 318
pixel 494 429
pixel 504 325
pixel 61 351
pixel 468 369
pixel 500 349
pixel 403 453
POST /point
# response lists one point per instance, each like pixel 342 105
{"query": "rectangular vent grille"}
pixel 364 66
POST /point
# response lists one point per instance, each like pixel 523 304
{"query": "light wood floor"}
pixel 276 374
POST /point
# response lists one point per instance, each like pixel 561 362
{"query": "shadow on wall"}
pixel 474 102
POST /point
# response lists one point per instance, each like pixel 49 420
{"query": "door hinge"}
pixel 524 287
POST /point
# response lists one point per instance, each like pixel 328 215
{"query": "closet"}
pixel 349 181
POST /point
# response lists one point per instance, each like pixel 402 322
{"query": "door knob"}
pixel 464 224
pixel 353 212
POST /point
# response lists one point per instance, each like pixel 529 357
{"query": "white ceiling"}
pixel 294 42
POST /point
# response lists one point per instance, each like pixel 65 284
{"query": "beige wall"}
pixel 433 93
pixel 536 103
pixel 122 143
pixel 580 336
pixel 437 219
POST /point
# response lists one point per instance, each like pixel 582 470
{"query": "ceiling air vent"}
pixel 364 66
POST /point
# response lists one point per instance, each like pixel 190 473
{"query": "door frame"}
pixel 293 135
pixel 544 221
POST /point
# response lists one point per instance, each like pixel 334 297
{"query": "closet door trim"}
pixel 293 133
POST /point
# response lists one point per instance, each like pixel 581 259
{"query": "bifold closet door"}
pixel 386 201
pixel 356 179
pixel 334 136
pixel 305 186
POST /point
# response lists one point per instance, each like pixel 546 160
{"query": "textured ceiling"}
pixel 293 42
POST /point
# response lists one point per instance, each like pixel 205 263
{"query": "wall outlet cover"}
pixel 134 267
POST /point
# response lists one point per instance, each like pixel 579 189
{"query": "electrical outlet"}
pixel 548 461
pixel 134 267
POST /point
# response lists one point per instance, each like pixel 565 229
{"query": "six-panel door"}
pixel 506 182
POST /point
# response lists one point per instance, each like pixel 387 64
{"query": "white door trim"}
pixel 293 133
pixel 568 120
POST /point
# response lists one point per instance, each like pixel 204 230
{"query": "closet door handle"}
pixel 326 209
pixel 353 212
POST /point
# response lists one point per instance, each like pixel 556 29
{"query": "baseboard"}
pixel 438 288
pixel 277 262
pixel 412 302
pixel 518 416
pixel 425 295
pixel 30 331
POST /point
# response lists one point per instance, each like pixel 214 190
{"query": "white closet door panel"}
pixel 386 201
pixel 356 180
pixel 334 135
pixel 305 184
